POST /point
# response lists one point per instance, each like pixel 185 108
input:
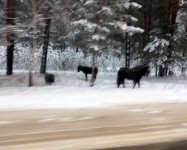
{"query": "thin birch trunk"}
pixel 34 23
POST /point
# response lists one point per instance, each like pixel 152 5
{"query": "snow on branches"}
pixel 152 46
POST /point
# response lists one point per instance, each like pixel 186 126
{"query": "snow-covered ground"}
pixel 71 91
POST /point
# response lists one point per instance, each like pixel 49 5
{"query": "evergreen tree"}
pixel 103 25
pixel 10 36
pixel 161 33
pixel 181 37
pixel 46 39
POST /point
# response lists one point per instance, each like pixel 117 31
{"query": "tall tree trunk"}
pixel 156 70
pixel 45 46
pixel 147 21
pixel 10 36
pixel 184 54
pixel 150 15
pixel 93 71
pixel 183 63
pixel 161 71
pixel 93 54
pixel 34 24
pixel 175 8
pixel 32 65
pixel 127 52
pixel 172 14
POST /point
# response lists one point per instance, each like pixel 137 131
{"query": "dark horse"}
pixel 49 78
pixel 134 74
pixel 88 70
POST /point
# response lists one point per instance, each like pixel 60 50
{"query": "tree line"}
pixel 146 31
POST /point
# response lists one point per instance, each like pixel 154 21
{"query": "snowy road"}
pixel 134 126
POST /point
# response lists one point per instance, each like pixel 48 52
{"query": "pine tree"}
pixel 10 36
pixel 111 27
pixel 46 40
pixel 104 25
pixel 181 37
pixel 160 46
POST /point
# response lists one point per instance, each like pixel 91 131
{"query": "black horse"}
pixel 134 74
pixel 88 70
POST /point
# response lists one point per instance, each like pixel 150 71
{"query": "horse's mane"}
pixel 80 66
pixel 140 68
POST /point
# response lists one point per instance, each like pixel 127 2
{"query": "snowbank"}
pixel 71 91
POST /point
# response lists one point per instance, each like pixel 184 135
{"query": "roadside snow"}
pixel 71 91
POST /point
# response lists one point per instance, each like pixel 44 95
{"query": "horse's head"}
pixel 145 70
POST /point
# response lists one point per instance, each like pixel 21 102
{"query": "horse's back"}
pixel 133 73
pixel 85 69
pixel 88 70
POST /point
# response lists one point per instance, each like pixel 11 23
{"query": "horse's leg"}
pixel 95 76
pixel 118 82
pixel 86 77
pixel 134 83
pixel 123 83
pixel 118 85
pixel 139 83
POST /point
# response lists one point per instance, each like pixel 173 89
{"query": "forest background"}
pixel 42 35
